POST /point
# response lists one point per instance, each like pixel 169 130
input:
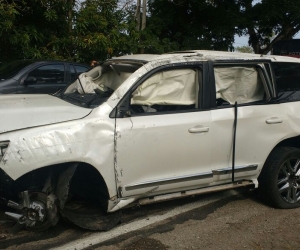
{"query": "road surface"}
pixel 223 220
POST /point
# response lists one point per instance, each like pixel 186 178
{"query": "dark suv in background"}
pixel 38 77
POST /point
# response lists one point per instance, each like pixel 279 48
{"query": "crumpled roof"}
pixel 204 55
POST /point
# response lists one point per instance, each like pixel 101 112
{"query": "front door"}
pixel 165 145
pixel 46 79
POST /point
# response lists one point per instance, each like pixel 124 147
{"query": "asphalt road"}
pixel 224 220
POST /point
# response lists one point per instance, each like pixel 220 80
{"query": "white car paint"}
pixel 255 138
pixel 89 140
pixel 149 139
pixel 44 131
pixel 25 111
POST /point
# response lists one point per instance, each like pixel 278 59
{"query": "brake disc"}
pixel 36 211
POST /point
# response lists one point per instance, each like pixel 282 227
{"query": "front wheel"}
pixel 279 181
pixel 36 211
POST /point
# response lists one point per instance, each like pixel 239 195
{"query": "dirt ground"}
pixel 241 221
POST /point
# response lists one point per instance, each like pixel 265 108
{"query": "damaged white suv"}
pixel 145 128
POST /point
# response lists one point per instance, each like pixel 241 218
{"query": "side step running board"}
pixel 183 194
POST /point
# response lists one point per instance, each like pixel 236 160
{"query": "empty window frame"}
pixel 287 76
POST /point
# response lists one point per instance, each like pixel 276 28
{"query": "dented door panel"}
pixel 255 138
pixel 157 153
pixel 157 156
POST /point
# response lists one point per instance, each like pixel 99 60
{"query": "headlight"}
pixel 3 148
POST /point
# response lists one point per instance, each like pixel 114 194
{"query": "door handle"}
pixel 274 120
pixel 199 129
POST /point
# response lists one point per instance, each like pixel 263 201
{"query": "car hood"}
pixel 25 111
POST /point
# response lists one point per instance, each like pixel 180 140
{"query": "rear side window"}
pixel 238 84
pixel 287 76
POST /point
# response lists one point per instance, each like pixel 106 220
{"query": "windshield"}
pixel 8 70
pixel 95 86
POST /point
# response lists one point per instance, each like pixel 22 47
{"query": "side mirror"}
pixel 30 79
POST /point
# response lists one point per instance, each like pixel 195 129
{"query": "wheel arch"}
pixel 277 186
pixel 85 177
pixel 288 142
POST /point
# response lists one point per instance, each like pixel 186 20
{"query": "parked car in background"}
pixel 38 77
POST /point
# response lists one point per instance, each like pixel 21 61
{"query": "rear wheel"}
pixel 279 181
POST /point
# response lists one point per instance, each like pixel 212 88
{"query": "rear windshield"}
pixel 8 70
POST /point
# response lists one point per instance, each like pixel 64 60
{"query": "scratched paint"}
pixel 89 140
pixel 45 130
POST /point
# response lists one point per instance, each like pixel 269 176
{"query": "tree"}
pixel 84 30
pixel 244 49
pixel 190 24
pixel 211 24
pixel 29 29
pixel 263 19
pixel 101 30
pixel 63 29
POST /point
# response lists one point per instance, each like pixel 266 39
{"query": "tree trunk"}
pixel 70 5
pixel 144 15
pixel 138 15
pixel 143 23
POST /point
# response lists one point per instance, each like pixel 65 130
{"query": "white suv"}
pixel 145 128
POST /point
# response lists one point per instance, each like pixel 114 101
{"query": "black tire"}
pixel 91 216
pixel 279 181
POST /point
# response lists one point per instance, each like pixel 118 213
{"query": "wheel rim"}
pixel 289 181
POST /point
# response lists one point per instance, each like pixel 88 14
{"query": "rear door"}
pixel 260 124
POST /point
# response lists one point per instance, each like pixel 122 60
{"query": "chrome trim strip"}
pixel 170 196
pixel 238 169
pixel 169 181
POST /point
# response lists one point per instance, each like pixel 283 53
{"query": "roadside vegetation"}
pixel 99 29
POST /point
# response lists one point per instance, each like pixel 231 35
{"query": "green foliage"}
pixel 192 24
pixel 244 49
pixel 99 29
pixel 69 29
pixel 268 18
pixel 27 29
